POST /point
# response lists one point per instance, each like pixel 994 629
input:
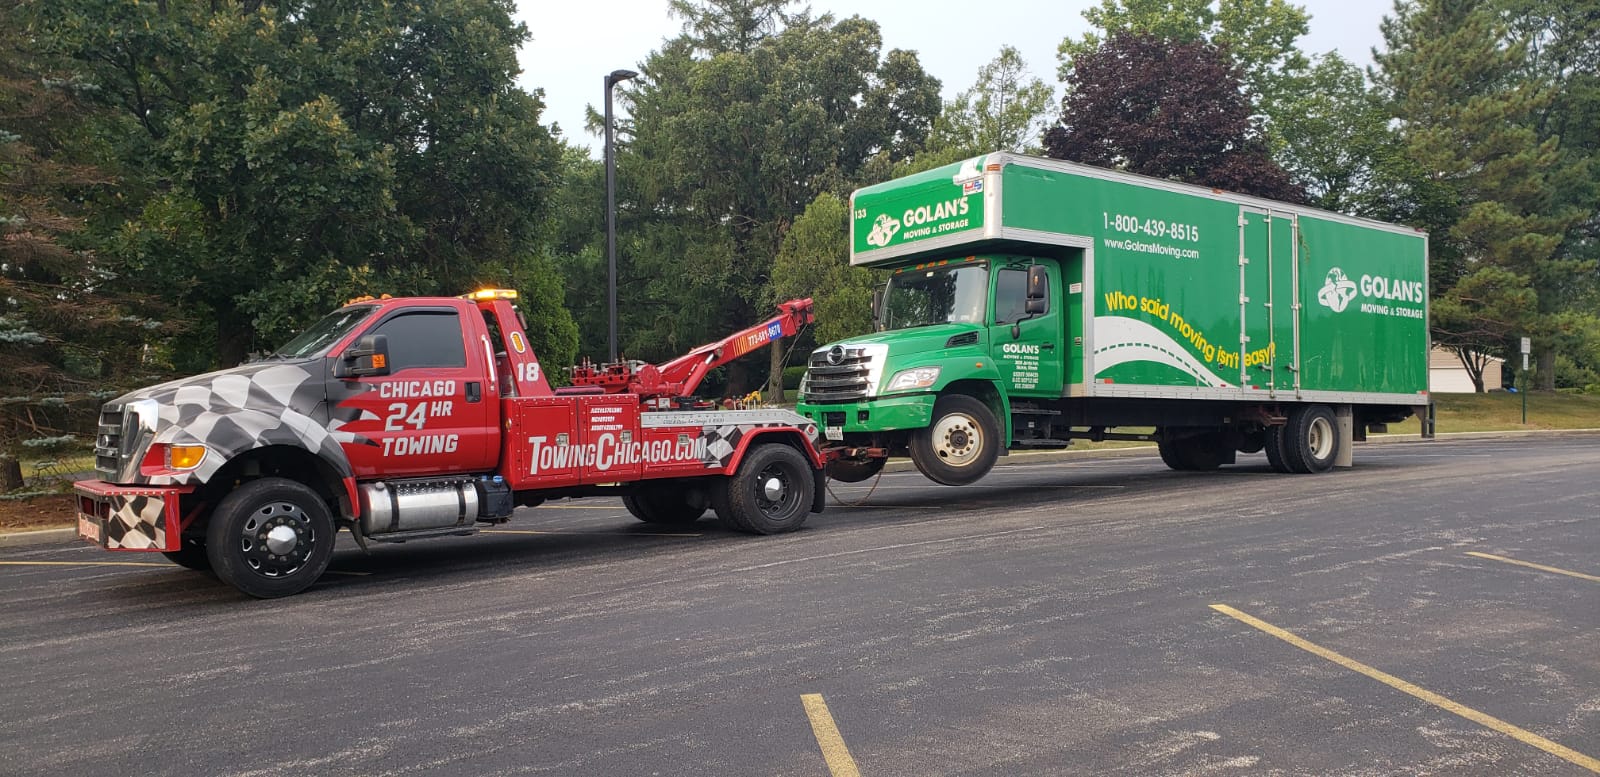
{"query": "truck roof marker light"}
pixel 483 294
pixel 993 167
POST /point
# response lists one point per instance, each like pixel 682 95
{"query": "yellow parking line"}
pixel 1531 565
pixel 596 533
pixel 1521 735
pixel 88 564
pixel 840 764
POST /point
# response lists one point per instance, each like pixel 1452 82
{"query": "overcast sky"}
pixel 576 42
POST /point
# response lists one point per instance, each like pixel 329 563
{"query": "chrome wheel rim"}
pixel 957 439
pixel 276 539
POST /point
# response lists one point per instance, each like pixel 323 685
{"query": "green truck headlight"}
pixel 918 378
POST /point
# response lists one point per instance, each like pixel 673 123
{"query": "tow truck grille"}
pixel 108 442
pixel 838 374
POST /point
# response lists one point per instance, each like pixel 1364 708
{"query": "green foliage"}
pixel 282 157
pixel 1259 35
pixel 1477 105
pixel 814 262
pixel 735 127
pixel 1168 110
pixel 68 332
pixel 1005 110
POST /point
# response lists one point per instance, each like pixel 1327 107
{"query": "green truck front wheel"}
pixel 961 443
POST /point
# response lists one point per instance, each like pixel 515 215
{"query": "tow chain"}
pixel 875 480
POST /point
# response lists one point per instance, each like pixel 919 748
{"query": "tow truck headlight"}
pixel 185 456
pixel 920 377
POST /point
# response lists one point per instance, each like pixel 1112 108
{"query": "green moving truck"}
pixel 1031 302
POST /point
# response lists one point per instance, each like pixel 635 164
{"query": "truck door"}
pixel 1285 244
pixel 435 413
pixel 1267 303
pixel 1255 299
pixel 1029 349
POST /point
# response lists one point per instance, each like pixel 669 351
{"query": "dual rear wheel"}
pixel 772 492
pixel 1307 443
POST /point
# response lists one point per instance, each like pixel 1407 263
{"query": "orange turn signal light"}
pixel 185 456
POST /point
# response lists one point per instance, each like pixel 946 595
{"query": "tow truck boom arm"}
pixel 681 376
pixel 691 368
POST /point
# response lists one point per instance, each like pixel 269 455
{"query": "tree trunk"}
pixel 1547 369
pixel 10 473
pixel 775 374
pixel 235 335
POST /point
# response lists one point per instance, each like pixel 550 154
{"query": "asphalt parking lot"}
pixel 1434 611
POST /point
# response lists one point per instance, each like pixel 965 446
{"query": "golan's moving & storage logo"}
pixel 1390 294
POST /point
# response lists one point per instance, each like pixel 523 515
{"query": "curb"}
pixel 905 465
pixel 37 537
pixel 70 533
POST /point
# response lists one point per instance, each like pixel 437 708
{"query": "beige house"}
pixel 1447 376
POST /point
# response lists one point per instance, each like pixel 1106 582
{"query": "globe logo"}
pixel 883 230
pixel 1337 292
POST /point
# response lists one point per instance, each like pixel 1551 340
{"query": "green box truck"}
pixel 1031 302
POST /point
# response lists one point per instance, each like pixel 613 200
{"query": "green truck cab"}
pixel 1032 302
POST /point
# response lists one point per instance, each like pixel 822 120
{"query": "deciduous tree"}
pixel 279 157
pixel 1169 110
pixel 731 136
pixel 1005 110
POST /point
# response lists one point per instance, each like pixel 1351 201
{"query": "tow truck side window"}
pixel 424 339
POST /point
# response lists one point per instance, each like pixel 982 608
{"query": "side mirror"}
pixel 370 356
pixel 1038 285
pixel 877 305
pixel 1035 307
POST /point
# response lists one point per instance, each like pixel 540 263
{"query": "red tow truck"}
pixel 404 418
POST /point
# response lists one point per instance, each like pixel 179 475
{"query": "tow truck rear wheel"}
pixel 960 444
pixel 770 494
pixel 270 537
pixel 190 555
pixel 668 504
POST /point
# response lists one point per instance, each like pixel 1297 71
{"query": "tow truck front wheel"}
pixel 270 537
pixel 960 445
pixel 771 492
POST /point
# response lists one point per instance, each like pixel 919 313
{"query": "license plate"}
pixel 835 433
pixel 88 528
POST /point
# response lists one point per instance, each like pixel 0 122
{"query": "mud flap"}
pixel 819 490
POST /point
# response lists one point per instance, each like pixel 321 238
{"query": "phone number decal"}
pixel 1134 225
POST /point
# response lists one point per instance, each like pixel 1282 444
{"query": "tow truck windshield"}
pixel 323 334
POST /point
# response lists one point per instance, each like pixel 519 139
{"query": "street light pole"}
pixel 612 79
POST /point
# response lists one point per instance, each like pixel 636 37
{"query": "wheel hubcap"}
pixel 772 489
pixel 276 540
pixel 957 439
pixel 1319 438
pixel 776 494
pixel 281 540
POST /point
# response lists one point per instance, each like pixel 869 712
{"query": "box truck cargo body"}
pixel 1030 302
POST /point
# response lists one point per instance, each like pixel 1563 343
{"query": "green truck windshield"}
pixel 940 295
